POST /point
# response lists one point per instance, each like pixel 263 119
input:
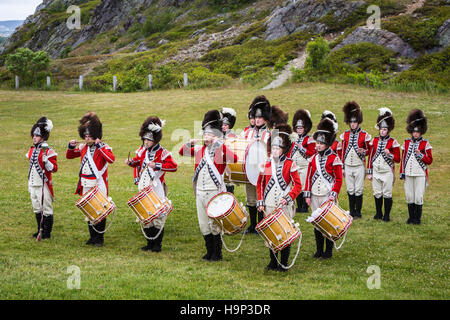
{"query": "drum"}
pixel 278 230
pixel 95 205
pixel 331 220
pixel 147 205
pixel 235 171
pixel 255 156
pixel 227 213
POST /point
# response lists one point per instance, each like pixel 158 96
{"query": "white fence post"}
pixel 16 78
pixel 80 83
pixel 48 82
pixel 114 83
pixel 185 78
pixel 150 81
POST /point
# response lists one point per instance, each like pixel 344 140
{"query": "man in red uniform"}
pixel 95 157
pixel 279 184
pixel 353 150
pixel 416 156
pixel 228 121
pixel 330 115
pixel 384 151
pixel 303 148
pixel 42 163
pixel 210 161
pixel 150 164
pixel 324 179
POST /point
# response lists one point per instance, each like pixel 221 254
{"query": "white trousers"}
pixel 354 179
pixel 36 200
pixel 415 189
pixel 206 224
pixel 316 201
pixel 302 172
pixel 382 184
pixel 289 210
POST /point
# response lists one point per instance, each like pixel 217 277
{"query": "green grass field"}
pixel 413 260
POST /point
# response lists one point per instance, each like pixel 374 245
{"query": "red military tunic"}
pixel 287 173
pixel 158 154
pixel 349 141
pixel 425 158
pixel 376 149
pixel 331 167
pixel 36 159
pixel 102 156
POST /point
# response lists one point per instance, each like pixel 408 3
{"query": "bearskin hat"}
pixel 42 128
pixel 151 129
pixel 90 124
pixel 281 136
pixel 416 121
pixel 385 119
pixel 302 118
pixel 326 131
pixel 212 123
pixel 330 115
pixel 229 116
pixel 352 110
pixel 260 107
pixel 277 117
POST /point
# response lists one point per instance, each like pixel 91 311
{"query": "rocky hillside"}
pixel 218 41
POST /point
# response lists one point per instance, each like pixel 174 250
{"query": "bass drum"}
pixel 255 156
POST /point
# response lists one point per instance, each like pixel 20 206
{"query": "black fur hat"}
pixel 90 124
pixel 302 118
pixel 277 117
pixel 42 128
pixel 229 116
pixel 151 129
pixel 260 107
pixel 326 131
pixel 281 136
pixel 212 122
pixel 385 119
pixel 352 110
pixel 416 121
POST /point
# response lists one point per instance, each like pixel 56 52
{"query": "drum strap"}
pixel 320 172
pixel 277 178
pixel 214 173
pixel 98 174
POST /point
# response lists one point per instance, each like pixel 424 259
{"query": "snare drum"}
pixel 235 171
pixel 148 206
pixel 227 213
pixel 255 156
pixel 331 220
pixel 278 230
pixel 95 205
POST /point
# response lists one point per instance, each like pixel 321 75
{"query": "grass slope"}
pixel 413 259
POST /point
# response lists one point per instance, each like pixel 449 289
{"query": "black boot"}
pixel 149 233
pixel 411 212
pixel 47 227
pixel 273 264
pixel 358 206
pixel 92 234
pixel 417 214
pixel 387 209
pixel 209 244
pixel 299 203
pixel 252 213
pixel 328 249
pixel 230 189
pixel 157 244
pixel 260 216
pixel 38 220
pixel 304 205
pixel 284 258
pixel 319 243
pixel 351 204
pixel 378 208
pixel 217 248
pixel 99 238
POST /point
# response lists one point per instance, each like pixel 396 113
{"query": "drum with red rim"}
pixel 147 205
pixel 227 213
pixel 95 205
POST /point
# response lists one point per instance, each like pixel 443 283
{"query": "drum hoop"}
pixel 139 196
pixel 105 214
pixel 87 197
pixel 226 214
pixel 325 210
pixel 269 219
pixel 288 241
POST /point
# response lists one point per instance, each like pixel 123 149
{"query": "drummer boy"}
pixel 95 158
pixel 324 179
pixel 278 185
pixel 150 164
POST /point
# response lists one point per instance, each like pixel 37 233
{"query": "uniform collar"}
pixel 154 148
pixel 325 153
pixel 385 138
pixel 357 130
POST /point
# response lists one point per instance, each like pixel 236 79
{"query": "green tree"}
pixel 30 66
pixel 317 51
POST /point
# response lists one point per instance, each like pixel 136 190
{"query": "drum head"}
pixel 220 204
pixel 255 156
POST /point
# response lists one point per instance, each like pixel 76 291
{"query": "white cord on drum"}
pixel 110 224
pixel 343 240
pixel 296 255
pixel 237 248
pixel 157 235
